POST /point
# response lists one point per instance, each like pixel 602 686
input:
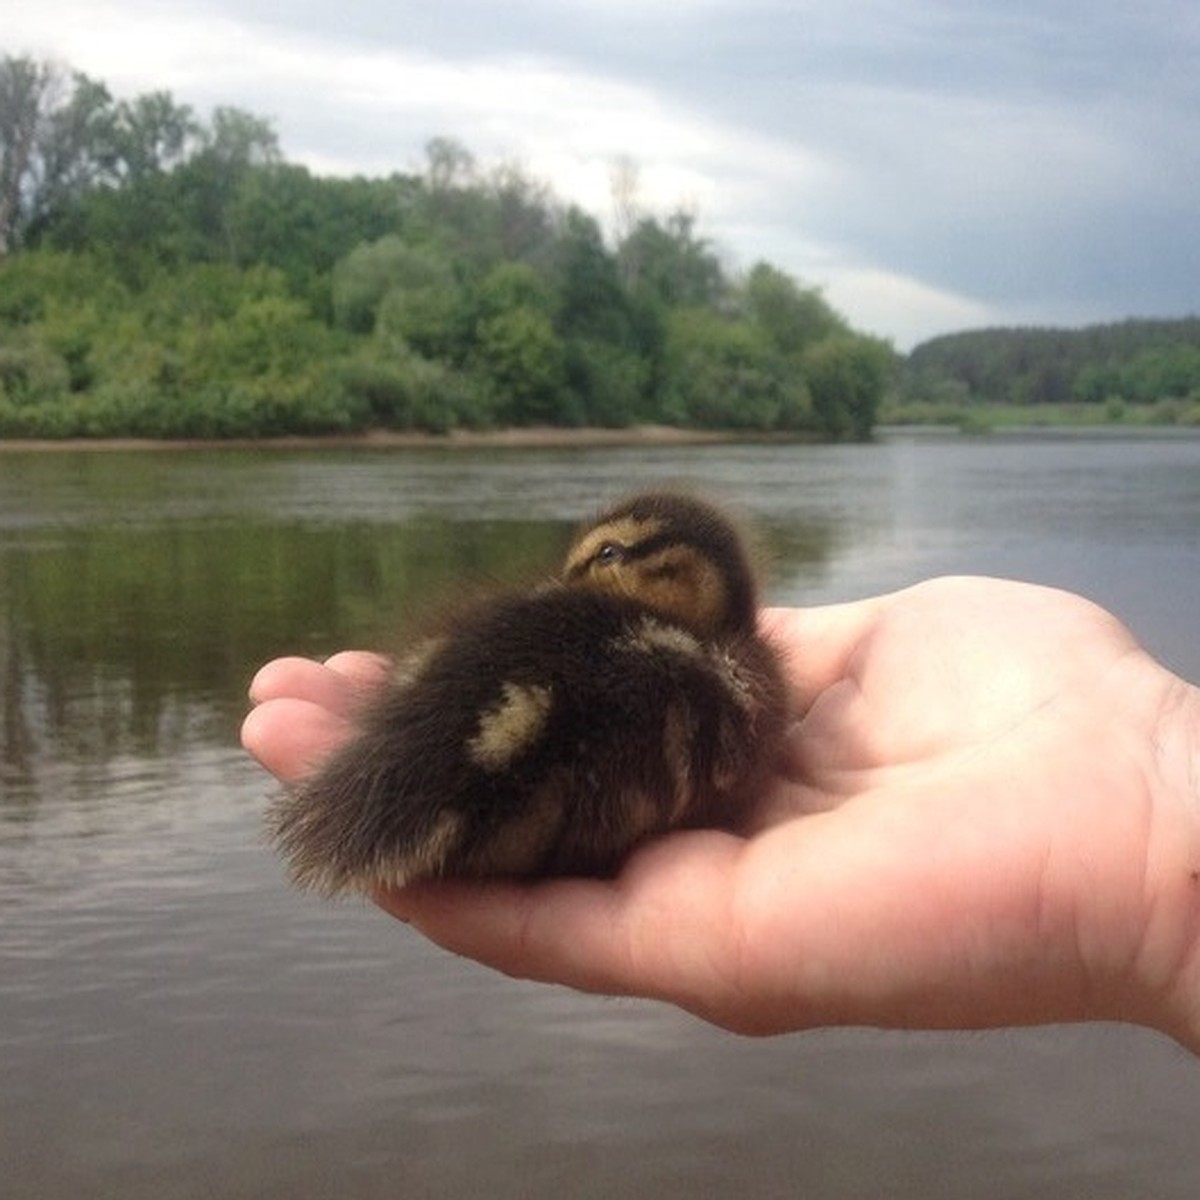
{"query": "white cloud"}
pixel 135 47
pixel 934 164
pixel 906 310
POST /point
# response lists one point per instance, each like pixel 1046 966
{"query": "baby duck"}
pixel 550 732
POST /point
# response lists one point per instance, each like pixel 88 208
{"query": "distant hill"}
pixel 1133 362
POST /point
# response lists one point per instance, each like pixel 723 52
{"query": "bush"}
pixel 846 374
pixel 1165 412
pixel 610 382
pixel 30 372
pixel 721 372
pixel 390 265
pixel 411 393
pixel 263 408
pixel 524 361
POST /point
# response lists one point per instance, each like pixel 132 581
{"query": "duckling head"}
pixel 678 555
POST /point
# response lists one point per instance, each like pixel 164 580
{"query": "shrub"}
pixel 846 375
pixel 524 361
pixel 609 381
pixel 411 393
pixel 30 372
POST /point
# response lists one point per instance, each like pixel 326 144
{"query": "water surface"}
pixel 176 1023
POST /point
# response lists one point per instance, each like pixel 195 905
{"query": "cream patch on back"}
pixel 651 637
pixel 511 727
pixel 407 670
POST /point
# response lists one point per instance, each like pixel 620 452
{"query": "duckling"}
pixel 550 732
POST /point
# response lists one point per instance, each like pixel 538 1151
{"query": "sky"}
pixel 932 165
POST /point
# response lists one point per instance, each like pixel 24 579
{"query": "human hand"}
pixel 990 815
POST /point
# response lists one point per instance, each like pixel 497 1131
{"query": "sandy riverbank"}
pixel 531 437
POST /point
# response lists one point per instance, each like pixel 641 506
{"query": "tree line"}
pixel 168 275
pixel 1153 364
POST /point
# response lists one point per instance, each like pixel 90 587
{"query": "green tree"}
pixel 513 285
pixel 722 372
pixel 524 360
pixel 427 315
pixel 846 375
pixel 591 299
pixel 793 318
pixel 669 262
pixel 1137 361
pixel 234 143
pixel 608 383
pixel 401 291
pixel 286 217
pixel 55 142
pixel 364 277
pixel 149 136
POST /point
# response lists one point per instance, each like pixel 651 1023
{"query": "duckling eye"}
pixel 610 552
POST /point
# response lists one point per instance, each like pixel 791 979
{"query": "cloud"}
pixel 932 162
pixel 909 310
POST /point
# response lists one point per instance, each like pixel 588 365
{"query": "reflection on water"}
pixel 174 1022
pixel 120 639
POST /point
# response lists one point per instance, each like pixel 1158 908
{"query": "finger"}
pixel 798 790
pixel 363 668
pixel 648 933
pixel 818 644
pixel 561 931
pixel 336 685
pixel 291 736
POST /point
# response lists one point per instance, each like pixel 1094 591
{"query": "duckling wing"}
pixel 548 734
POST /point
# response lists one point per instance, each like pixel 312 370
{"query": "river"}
pixel 176 1023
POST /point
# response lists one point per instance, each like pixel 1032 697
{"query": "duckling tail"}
pixel 363 822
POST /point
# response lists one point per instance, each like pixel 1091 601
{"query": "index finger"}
pixel 816 645
pixel 660 930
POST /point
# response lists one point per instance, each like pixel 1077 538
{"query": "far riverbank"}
pixel 983 420
pixel 527 437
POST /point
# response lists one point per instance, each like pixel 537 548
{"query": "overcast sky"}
pixel 932 164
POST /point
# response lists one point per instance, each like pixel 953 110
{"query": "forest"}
pixel 1141 369
pixel 168 275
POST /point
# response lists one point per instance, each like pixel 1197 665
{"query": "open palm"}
pixel 968 830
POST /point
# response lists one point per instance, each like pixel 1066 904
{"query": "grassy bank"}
pixel 984 418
